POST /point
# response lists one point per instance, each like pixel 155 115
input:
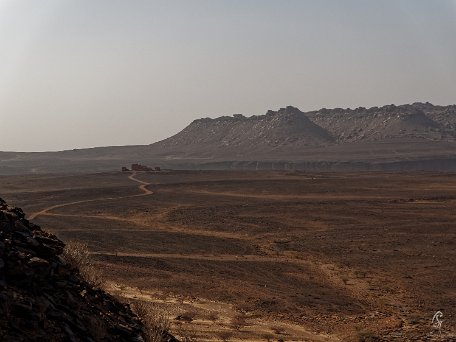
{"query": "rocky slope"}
pixel 274 131
pixel 294 130
pixel 381 124
pixel 407 137
pixel 42 298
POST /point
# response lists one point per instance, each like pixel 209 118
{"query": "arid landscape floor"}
pixel 263 256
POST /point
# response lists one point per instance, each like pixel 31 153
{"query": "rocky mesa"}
pixel 418 136
pixel 290 130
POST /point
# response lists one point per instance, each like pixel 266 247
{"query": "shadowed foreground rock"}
pixel 43 298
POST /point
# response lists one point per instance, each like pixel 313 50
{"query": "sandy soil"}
pixel 264 256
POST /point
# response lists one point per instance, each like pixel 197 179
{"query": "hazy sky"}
pixel 82 73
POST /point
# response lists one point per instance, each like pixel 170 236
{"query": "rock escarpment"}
pixel 327 134
pixel 287 128
pixel 418 136
pixel 292 131
pixel 387 123
pixel 42 298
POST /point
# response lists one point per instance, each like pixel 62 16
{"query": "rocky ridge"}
pixel 416 122
pixel 44 298
pixel 289 129
pixel 418 136
pixel 274 130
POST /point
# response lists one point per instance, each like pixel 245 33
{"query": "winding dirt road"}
pixel 142 187
pixel 330 272
pixel 334 274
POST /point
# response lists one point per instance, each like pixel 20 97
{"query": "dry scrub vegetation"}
pixel 156 323
pixel 77 254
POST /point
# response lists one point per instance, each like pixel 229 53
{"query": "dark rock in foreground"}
pixel 44 299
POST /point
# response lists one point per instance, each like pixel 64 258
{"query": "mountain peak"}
pixel 286 128
pixel 284 111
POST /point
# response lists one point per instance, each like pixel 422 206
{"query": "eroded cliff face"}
pixel 412 136
pixel 42 298
pixel 292 130
pixel 286 128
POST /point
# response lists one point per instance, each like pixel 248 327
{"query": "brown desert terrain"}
pixel 264 256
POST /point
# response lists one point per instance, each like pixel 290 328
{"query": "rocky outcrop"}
pixel 383 124
pixel 42 298
pixel 290 135
pixel 240 135
pixel 418 134
pixel 290 131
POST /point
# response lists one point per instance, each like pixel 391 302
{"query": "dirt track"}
pixel 142 187
pixel 341 255
pixel 256 326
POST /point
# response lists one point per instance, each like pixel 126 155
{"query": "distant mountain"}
pixel 238 135
pixel 417 136
pixel 417 121
pixel 290 130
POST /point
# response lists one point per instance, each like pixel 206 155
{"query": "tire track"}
pixel 142 187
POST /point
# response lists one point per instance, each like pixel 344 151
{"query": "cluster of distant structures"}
pixel 139 167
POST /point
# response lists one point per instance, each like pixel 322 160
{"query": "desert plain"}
pixel 267 255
